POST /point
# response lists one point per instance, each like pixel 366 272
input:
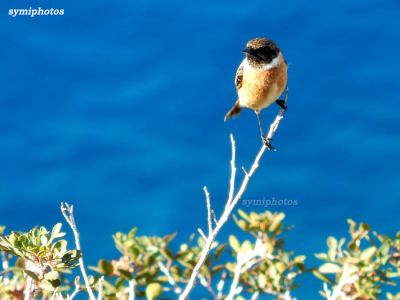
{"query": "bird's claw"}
pixel 267 142
pixel 282 104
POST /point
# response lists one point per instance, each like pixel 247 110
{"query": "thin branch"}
pixel 274 126
pixel 207 284
pixel 171 280
pixel 56 295
pixel 236 276
pixel 231 202
pixel 131 289
pixel 245 263
pixel 245 171
pixel 76 291
pixel 100 294
pixel 255 296
pixel 348 277
pixel 53 296
pixel 68 213
pixel 233 171
pixel 5 262
pixel 29 288
pixel 202 234
pixel 208 209
pixel 214 217
pixel 220 286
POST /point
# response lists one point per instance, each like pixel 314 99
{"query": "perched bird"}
pixel 260 79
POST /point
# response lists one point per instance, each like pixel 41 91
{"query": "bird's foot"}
pixel 282 104
pixel 267 142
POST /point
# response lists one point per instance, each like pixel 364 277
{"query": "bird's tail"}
pixel 234 111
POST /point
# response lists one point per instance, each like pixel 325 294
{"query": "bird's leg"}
pixel 259 123
pixel 266 141
pixel 282 104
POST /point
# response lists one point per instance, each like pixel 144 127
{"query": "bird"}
pixel 260 80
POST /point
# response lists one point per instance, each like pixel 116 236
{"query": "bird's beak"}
pixel 249 51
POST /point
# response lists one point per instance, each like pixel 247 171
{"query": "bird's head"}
pixel 261 51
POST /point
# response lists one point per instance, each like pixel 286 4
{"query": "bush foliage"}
pixel 361 267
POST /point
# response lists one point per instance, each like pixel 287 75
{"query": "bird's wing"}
pixel 239 77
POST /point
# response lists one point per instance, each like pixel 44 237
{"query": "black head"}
pixel 261 51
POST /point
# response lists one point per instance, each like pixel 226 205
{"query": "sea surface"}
pixel 117 107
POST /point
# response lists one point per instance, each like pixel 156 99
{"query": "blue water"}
pixel 117 107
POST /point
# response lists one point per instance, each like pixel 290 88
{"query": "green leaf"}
pixel 246 247
pixel 234 243
pixel 393 274
pixel 352 225
pixel 230 266
pixel 300 259
pixel 32 275
pixel 368 253
pixel 244 215
pixel 55 283
pixel 365 226
pixel 20 263
pixel 219 250
pixel 44 240
pixel 153 290
pixel 46 285
pixel 132 233
pixel 321 256
pixel 56 231
pixel 53 275
pixel 329 268
pixel 105 267
pixel 125 274
pixel 110 287
pixel 332 247
pixel 276 222
pixel 216 269
pixel 241 224
pixel 262 280
pixel 280 267
pixel 322 277
pixel 201 242
pixel 77 280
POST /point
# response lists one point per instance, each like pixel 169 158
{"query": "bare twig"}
pixel 214 217
pixel 209 221
pixel 202 234
pixel 100 294
pixel 233 171
pixel 232 201
pixel 245 263
pixel 244 171
pixel 236 276
pixel 76 291
pixel 255 296
pixel 5 262
pixel 171 280
pixel 349 276
pixel 131 290
pixel 68 213
pixel 220 286
pixel 207 284
pixel 56 295
pixel 29 289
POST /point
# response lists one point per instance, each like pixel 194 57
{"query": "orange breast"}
pixel 260 88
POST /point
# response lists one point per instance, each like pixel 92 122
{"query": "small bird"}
pixel 260 80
